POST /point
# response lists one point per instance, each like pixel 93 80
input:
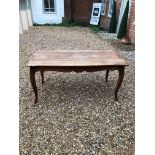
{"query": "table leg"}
pixel 42 76
pixel 106 77
pixel 119 81
pixel 33 83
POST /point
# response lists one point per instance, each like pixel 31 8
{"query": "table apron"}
pixel 76 68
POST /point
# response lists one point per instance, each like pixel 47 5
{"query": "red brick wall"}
pixel 66 10
pixel 105 20
pixel 131 25
pixel 82 10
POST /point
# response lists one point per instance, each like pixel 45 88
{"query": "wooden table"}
pixel 78 61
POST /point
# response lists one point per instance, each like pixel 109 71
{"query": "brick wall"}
pixel 82 10
pixel 131 25
pixel 105 20
pixel 66 10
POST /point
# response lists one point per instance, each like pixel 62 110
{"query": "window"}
pixel 110 8
pixel 103 7
pixel 49 6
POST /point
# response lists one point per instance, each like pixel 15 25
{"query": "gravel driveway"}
pixel 76 113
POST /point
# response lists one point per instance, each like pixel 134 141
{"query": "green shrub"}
pixel 65 24
pixel 94 28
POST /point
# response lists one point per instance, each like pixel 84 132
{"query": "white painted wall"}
pixel 40 17
pixel 24 19
pixel 20 25
pixel 29 17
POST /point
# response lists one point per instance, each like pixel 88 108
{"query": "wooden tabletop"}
pixel 76 58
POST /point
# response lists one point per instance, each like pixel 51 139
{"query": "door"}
pixel 123 5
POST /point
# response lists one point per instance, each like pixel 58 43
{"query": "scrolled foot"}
pixel 35 101
pixel 33 83
pixel 119 81
pixel 116 98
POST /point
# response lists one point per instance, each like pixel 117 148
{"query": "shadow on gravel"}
pixel 121 47
pixel 78 89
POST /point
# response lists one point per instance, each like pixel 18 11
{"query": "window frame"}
pixel 110 9
pixel 49 12
pixel 103 14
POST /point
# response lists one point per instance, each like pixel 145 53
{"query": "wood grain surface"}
pixel 76 58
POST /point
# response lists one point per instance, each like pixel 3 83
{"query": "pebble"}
pixel 73 107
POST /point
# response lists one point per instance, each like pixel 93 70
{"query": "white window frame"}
pixel 110 10
pixel 49 12
pixel 103 8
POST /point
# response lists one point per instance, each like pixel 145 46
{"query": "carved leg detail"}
pixel 119 82
pixel 42 76
pixel 106 77
pixel 33 83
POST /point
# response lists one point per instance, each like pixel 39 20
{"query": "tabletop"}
pixel 76 58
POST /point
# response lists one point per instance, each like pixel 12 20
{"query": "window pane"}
pixel 52 10
pixel 49 6
pixel 51 3
pixel 46 4
pixel 46 10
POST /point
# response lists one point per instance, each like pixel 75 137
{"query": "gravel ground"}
pixel 76 113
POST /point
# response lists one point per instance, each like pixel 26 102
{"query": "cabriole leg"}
pixel 42 77
pixel 107 74
pixel 119 81
pixel 33 83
